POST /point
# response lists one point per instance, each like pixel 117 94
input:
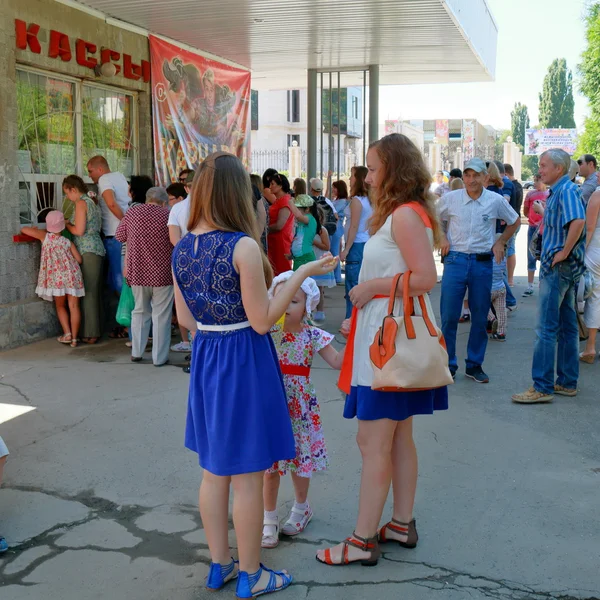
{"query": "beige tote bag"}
pixel 409 351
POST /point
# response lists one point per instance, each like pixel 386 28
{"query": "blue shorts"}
pixel 510 245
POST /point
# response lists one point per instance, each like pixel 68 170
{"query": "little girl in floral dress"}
pixel 60 275
pixel 297 342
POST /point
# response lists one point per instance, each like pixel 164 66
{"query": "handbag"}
pixel 584 332
pixel 409 351
pixel 126 306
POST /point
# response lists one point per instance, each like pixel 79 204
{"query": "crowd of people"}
pixel 246 261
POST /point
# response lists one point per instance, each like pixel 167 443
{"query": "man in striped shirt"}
pixel 562 264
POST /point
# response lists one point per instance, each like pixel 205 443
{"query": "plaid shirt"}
pixel 564 205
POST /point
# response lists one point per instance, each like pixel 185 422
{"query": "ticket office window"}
pixel 62 122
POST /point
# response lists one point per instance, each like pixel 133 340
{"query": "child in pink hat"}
pixel 60 275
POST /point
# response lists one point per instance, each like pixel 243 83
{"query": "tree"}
pixel 589 69
pixel 501 137
pixel 519 122
pixel 557 106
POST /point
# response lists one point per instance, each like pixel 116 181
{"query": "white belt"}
pixel 232 327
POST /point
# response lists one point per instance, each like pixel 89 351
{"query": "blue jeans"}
pixel 114 278
pixel 353 264
pixel 510 297
pixel 336 240
pixel 464 272
pixel 557 326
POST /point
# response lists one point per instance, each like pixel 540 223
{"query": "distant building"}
pixel 459 139
pixel 278 119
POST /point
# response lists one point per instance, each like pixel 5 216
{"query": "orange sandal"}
pixel 407 529
pixel 366 545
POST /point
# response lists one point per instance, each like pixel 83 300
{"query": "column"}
pixel 311 121
pixel 373 103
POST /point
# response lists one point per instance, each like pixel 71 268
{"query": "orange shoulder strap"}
pixel 418 208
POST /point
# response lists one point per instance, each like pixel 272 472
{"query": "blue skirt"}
pixel 238 419
pixel 371 405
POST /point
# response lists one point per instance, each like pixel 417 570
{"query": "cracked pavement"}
pixel 100 495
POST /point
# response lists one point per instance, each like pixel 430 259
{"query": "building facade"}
pixel 57 109
pixel 279 118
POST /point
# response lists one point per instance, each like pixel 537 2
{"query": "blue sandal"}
pixel 247 581
pixel 217 575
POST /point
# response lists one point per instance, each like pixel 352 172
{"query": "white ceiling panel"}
pixel 413 41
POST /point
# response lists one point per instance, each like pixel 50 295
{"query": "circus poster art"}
pixel 199 106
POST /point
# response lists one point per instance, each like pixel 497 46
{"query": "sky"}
pixel 531 34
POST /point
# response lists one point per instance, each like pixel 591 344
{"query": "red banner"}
pixel 199 106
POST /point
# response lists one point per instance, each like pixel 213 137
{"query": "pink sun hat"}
pixel 55 221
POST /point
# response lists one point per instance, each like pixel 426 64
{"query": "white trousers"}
pixel 153 305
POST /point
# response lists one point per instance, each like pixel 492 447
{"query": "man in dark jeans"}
pixel 469 216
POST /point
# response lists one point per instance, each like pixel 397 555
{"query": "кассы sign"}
pixel 61 47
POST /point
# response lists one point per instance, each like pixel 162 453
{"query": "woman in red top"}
pixel 535 218
pixel 281 225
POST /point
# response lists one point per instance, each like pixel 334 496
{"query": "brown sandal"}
pixel 407 529
pixel 366 545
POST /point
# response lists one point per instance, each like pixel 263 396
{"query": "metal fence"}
pixel 261 160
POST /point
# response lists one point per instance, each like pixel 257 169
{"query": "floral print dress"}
pixel 59 271
pixel 295 352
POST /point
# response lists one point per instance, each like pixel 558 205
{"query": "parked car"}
pixel 528 185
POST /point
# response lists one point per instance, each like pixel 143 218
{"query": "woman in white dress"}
pixel 591 315
pixel 402 228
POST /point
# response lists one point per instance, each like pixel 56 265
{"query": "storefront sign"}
pixel 199 106
pixel 60 46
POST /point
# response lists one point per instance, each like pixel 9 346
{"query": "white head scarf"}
pixel 309 287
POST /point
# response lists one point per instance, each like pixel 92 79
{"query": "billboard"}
pixel 441 131
pixel 199 106
pixel 540 140
pixel 468 136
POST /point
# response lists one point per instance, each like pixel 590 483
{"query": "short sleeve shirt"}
pixel 472 223
pixel 117 183
pixel 180 215
pixel 149 249
pixel 563 206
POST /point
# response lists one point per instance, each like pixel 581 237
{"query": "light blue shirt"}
pixel 472 223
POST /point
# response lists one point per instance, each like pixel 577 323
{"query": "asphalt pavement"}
pixel 100 495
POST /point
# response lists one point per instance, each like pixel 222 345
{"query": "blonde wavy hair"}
pixel 406 178
pixel 494 177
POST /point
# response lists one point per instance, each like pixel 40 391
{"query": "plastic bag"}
pixel 126 306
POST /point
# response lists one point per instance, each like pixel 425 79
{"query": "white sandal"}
pixel 270 541
pixel 297 521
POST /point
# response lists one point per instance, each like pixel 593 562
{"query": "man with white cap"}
pixel 470 217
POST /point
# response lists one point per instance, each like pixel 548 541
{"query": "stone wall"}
pixel 23 317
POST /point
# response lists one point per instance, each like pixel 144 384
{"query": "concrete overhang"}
pixel 413 41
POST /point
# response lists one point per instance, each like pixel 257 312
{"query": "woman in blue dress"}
pixel 238 421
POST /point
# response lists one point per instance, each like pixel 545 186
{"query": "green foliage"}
pixel 501 138
pixel 519 122
pixel 526 174
pixel 557 106
pixel 589 69
pixel 531 164
pixel 588 142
